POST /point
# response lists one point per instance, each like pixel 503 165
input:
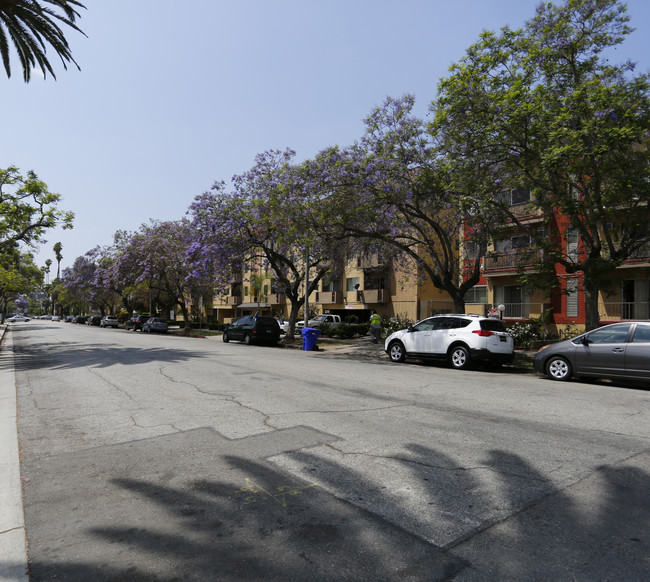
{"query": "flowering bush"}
pixel 524 334
pixel 394 324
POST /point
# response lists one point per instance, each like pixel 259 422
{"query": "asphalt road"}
pixel 162 458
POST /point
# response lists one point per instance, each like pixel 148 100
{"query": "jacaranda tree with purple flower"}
pixel 394 194
pixel 154 258
pixel 266 219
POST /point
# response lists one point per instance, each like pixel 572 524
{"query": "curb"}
pixel 13 541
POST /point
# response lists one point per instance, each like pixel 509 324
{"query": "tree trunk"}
pixel 459 303
pixel 592 317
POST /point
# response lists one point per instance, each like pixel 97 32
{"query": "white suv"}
pixel 458 339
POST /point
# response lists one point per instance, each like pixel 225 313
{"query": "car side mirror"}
pixel 410 328
pixel 586 341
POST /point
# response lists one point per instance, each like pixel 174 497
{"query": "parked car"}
pixel 284 325
pixel 69 318
pixel 137 321
pixel 253 328
pixel 155 324
pixel 459 339
pixel 79 319
pixel 109 321
pixel 17 318
pixel 618 351
pixel 56 318
pixel 94 320
pixel 321 322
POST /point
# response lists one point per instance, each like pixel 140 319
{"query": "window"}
pixel 572 297
pixel 572 244
pixel 374 283
pixel 332 285
pixel 426 325
pixel 514 196
pixel 520 196
pixel 477 294
pixel 521 242
pixel 352 283
pixel 471 250
pixel 515 242
pixel 610 335
pixel 642 334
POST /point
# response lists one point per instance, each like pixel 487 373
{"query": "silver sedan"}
pixel 619 351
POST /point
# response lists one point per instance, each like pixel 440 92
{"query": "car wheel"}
pixel 225 337
pixel 396 352
pixel 247 339
pixel 459 357
pixel 558 368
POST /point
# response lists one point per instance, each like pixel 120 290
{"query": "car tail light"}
pixel 483 332
pixel 254 330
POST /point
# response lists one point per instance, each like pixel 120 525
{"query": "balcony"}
pixel 233 300
pixel 370 296
pixel 329 297
pixel 511 261
pixel 524 310
pixel 276 299
pixel 527 210
pixel 370 261
pixel 617 310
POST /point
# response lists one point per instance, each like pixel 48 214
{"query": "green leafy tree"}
pixel 27 209
pixel 30 26
pixel 18 275
pixel 543 108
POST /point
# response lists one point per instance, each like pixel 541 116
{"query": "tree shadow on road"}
pixel 68 355
pixel 254 523
pixel 421 516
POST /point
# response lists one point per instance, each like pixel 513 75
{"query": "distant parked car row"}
pixel 143 322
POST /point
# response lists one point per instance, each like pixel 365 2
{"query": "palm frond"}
pixel 30 26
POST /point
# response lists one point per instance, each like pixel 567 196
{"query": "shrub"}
pixel 525 334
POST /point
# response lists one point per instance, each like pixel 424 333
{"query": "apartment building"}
pixel 364 283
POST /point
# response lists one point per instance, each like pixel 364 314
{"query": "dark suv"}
pixel 137 321
pixel 253 328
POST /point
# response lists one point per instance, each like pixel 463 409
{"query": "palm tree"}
pixel 57 253
pixel 46 270
pixel 30 26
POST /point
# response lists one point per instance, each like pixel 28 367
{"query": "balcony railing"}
pixel 641 254
pixel 276 299
pixel 526 210
pixel 616 310
pixel 370 296
pixel 510 261
pixel 523 310
pixel 329 297
pixel 233 300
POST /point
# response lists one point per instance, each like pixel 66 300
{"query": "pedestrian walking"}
pixel 375 327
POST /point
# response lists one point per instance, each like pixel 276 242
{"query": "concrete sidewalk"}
pixel 13 549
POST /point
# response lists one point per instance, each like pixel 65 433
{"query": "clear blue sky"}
pixel 173 96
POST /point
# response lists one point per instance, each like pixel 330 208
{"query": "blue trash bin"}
pixel 309 338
